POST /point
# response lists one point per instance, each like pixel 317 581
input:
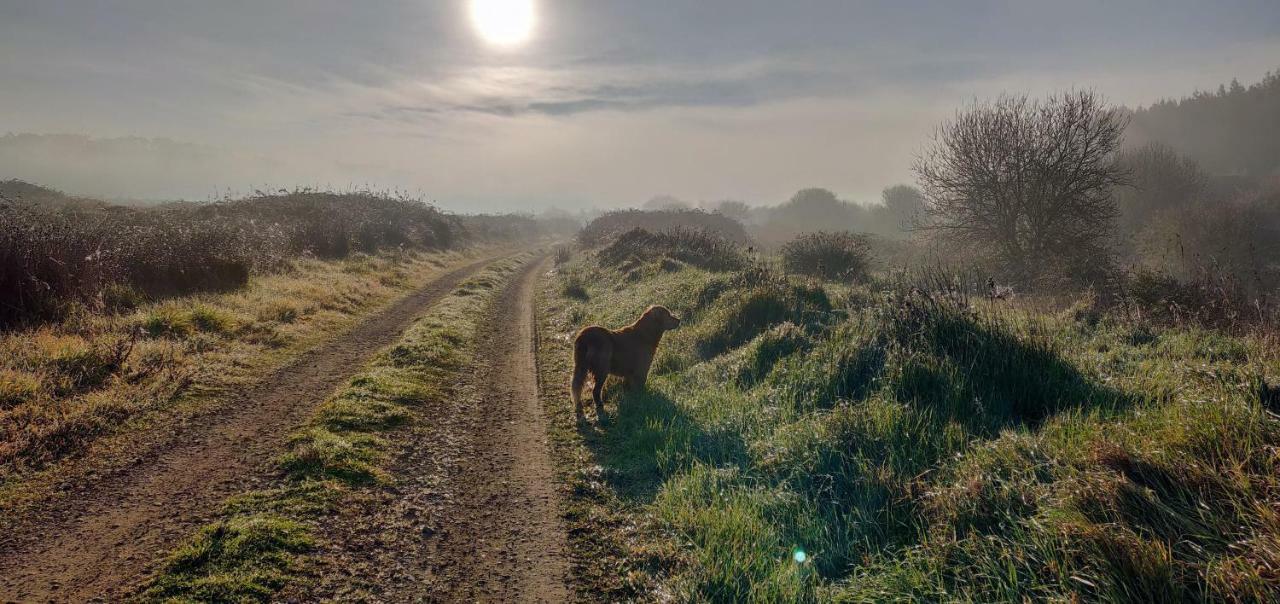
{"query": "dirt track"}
pixel 97 544
pixel 474 514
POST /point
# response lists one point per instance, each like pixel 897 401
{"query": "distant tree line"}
pixel 1234 131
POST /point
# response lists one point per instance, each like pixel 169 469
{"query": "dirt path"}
pixel 474 514
pixel 97 544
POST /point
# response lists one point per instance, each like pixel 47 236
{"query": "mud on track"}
pixel 98 543
pixel 474 513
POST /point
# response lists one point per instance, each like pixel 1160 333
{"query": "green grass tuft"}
pixel 243 559
pixel 350 457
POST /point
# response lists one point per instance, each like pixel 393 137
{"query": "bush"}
pixel 828 256
pixel 335 225
pixel 703 249
pixel 1210 298
pixel 56 255
pixel 613 224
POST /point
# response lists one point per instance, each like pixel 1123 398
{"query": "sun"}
pixel 503 22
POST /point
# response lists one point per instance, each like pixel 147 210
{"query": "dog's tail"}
pixel 579 372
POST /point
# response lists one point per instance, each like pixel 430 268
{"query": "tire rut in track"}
pixel 97 545
pixel 474 514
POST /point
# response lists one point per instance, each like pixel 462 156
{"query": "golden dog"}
pixel 625 352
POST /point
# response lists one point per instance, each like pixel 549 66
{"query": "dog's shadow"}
pixel 647 438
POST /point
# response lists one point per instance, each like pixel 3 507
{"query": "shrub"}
pixel 613 224
pixel 828 256
pixel 703 249
pixel 55 254
pixel 1211 298
pixel 335 225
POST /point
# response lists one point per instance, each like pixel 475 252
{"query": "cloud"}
pixel 612 102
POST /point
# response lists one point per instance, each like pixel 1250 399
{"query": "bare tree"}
pixel 1029 181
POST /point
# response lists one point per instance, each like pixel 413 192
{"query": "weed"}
pixel 185 320
pixel 120 298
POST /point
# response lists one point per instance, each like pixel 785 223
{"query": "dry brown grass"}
pixel 63 386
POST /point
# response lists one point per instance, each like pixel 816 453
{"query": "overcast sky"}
pixel 608 103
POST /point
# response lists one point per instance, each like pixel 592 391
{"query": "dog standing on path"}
pixel 625 352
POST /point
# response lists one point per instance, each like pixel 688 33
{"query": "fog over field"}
pixel 606 104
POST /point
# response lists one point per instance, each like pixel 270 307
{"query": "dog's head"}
pixel 660 315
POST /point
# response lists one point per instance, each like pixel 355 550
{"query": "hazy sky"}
pixel 609 102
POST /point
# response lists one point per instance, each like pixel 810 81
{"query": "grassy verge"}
pixel 64 387
pixel 803 442
pixel 262 541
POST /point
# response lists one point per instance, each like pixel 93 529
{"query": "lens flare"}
pixel 799 556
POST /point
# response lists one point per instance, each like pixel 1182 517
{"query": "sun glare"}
pixel 503 22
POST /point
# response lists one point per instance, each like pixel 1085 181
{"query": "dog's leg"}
pixel 597 395
pixel 579 380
